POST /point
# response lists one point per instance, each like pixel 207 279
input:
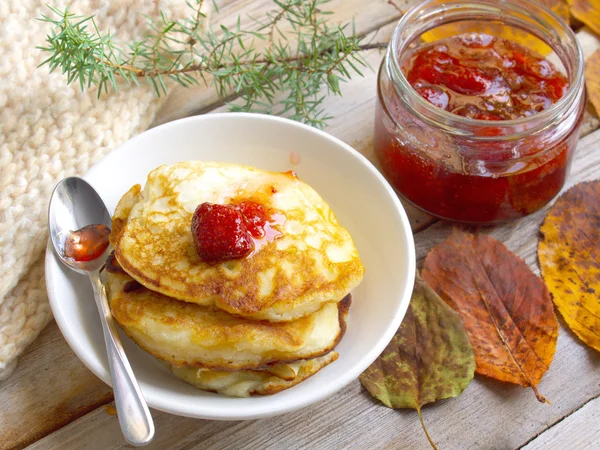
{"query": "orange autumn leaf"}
pixel 592 80
pixel 560 8
pixel 569 255
pixel 588 12
pixel 506 309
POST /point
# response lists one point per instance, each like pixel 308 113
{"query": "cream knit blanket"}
pixel 49 131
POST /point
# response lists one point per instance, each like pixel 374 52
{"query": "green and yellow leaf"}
pixel 429 359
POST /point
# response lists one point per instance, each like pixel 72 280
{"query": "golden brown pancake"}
pixel 186 334
pixel 251 382
pixel 312 262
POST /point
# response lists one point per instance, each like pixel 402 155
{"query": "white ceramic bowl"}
pixel 360 197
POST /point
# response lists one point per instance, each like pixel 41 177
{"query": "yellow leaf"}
pixel 569 255
pixel 588 12
pixel 592 80
pixel 529 41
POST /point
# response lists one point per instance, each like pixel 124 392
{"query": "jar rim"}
pixel 442 116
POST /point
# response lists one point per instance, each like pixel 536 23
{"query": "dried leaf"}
pixel 560 7
pixel 587 11
pixel 430 357
pixel 569 254
pixel 506 308
pixel 592 80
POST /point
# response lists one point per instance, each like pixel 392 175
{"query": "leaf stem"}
pixel 539 396
pixel 425 428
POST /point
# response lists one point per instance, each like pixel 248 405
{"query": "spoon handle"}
pixel 132 411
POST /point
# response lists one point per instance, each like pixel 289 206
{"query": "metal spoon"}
pixel 75 204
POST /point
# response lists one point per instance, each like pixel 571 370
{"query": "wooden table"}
pixel 53 401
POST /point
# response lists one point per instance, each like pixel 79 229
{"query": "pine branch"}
pixel 293 66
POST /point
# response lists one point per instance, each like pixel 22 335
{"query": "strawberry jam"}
pixel 232 231
pixel 484 77
pixel 480 171
pixel 87 243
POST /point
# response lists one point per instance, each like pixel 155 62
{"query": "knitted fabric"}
pixel 48 131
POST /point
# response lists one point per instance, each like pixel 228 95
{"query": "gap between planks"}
pixel 564 433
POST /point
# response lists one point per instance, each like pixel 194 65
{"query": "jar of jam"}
pixel 479 108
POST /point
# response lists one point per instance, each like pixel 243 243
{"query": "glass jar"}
pixel 477 171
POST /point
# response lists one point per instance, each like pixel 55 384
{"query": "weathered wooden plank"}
pixel 49 389
pixel 589 42
pixel 489 414
pixel 578 431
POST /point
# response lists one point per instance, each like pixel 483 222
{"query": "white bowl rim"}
pixel 161 402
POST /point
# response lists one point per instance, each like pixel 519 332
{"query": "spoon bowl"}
pixel 73 205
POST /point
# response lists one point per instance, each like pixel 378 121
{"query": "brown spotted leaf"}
pixel 569 254
pixel 588 12
pixel 430 357
pixel 506 309
pixel 592 80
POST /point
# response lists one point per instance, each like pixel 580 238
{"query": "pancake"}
pixel 250 382
pixel 186 334
pixel 311 261
pixel 122 211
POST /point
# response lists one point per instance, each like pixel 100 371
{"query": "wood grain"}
pixel 488 414
pixel 49 389
pixel 589 44
pixel 580 430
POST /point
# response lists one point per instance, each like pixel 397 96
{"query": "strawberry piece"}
pixel 434 95
pixel 255 217
pixel 220 233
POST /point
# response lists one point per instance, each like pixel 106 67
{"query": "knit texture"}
pixel 49 131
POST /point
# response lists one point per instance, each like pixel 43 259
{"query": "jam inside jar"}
pixel 473 126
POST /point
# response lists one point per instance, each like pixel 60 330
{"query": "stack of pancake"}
pixel 248 326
